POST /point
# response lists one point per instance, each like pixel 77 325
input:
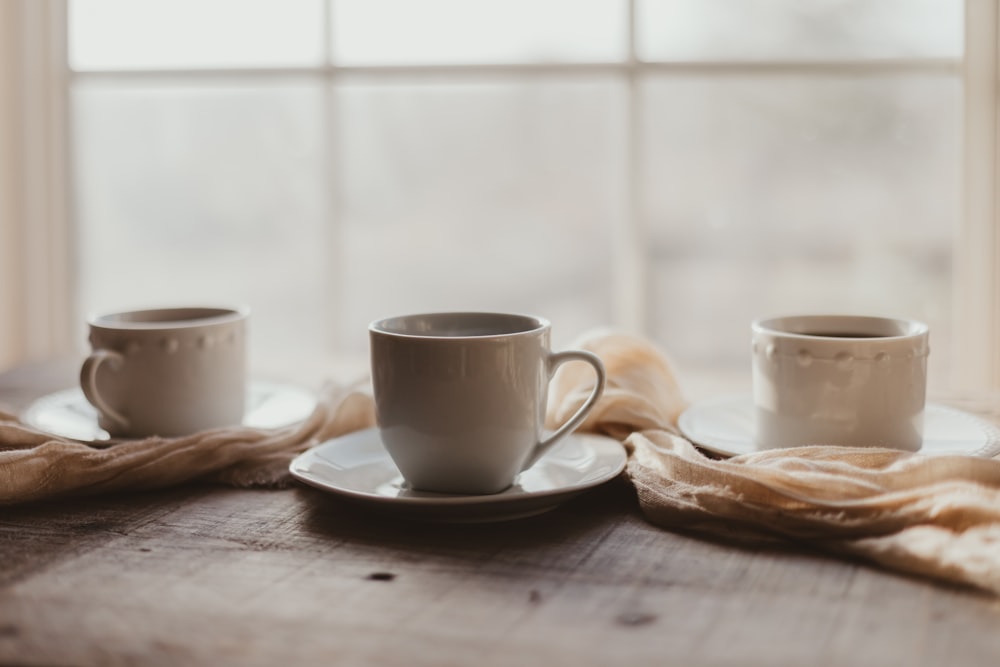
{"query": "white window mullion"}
pixel 336 276
pixel 977 248
pixel 629 263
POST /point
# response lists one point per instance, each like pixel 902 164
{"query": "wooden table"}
pixel 211 575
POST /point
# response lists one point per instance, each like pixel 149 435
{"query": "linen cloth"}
pixel 36 466
pixel 933 516
pixel 936 516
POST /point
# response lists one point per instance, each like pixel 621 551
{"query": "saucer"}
pixel 725 426
pixel 357 468
pixel 67 413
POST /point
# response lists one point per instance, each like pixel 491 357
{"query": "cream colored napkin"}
pixel 934 516
pixel 34 465
pixel 937 516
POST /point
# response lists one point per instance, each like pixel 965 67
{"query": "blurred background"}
pixel 668 167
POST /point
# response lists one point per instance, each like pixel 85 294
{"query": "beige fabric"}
pixel 34 465
pixel 933 516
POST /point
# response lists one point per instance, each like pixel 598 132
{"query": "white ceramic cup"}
pixel 460 398
pixel 168 371
pixel 839 380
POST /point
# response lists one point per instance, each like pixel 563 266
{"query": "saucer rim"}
pixel 989 449
pixel 27 416
pixel 509 495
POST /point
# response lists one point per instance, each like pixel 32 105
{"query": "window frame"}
pixel 40 257
pixel 976 287
pixel 37 254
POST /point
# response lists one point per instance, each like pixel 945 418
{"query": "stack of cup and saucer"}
pixel 166 372
pixel 460 400
pixel 841 380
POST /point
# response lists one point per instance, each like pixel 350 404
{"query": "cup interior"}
pixel 841 326
pixel 167 317
pixel 458 325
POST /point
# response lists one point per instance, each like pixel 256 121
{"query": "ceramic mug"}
pixel 460 398
pixel 168 371
pixel 839 380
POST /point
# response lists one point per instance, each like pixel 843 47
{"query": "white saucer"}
pixel 357 467
pixel 725 426
pixel 67 413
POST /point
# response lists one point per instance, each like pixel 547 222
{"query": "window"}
pixel 674 167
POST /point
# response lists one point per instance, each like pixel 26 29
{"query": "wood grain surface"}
pixel 211 575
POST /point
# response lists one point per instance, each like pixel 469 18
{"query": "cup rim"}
pixel 772 325
pixel 381 326
pixel 199 316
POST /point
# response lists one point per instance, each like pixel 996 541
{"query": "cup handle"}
pixel 88 382
pixel 555 360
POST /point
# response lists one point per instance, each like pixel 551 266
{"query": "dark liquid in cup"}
pixel 841 334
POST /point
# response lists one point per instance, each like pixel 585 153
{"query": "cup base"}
pixel 775 431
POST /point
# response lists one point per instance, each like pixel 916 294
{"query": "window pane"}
pixel 790 29
pixel 784 194
pixel 206 194
pixel 477 31
pixel 140 34
pixel 480 196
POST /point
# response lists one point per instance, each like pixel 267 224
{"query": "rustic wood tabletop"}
pixel 205 574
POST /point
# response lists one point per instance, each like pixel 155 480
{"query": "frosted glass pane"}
pixel 769 195
pixel 138 34
pixel 481 197
pixel 797 29
pixel 478 31
pixel 206 195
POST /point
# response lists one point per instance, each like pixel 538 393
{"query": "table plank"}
pixel 205 574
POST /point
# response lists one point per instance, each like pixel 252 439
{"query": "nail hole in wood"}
pixel 635 619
